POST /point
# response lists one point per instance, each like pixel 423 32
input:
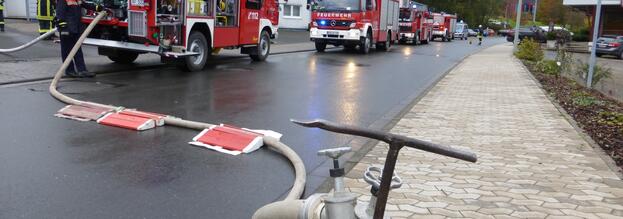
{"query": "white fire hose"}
pixel 299 168
pixel 36 40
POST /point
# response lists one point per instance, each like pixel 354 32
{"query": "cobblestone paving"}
pixel 532 162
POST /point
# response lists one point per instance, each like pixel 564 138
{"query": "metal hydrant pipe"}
pixel 36 40
pixel 299 168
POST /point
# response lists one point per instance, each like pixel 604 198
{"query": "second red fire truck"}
pixel 444 26
pixel 184 31
pixel 354 23
pixel 415 25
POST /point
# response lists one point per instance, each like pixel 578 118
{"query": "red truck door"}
pixel 250 21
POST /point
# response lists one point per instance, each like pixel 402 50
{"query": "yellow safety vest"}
pixel 1 4
pixel 44 10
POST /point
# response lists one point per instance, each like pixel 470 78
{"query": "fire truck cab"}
pixel 415 25
pixel 184 31
pixel 444 26
pixel 352 23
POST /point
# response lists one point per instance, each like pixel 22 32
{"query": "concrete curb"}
pixel 600 152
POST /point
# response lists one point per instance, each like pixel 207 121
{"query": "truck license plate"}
pixel 333 33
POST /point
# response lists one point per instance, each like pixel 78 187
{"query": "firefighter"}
pixel 480 34
pixel 45 10
pixel 1 15
pixel 68 14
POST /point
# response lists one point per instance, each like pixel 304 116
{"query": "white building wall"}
pixel 17 8
pixel 300 22
pixel 592 2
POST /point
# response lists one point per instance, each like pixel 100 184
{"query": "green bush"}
pixel 529 50
pixel 581 35
pixel 549 67
pixel 583 99
pixel 598 74
pixel 566 61
pixel 611 118
pixel 551 35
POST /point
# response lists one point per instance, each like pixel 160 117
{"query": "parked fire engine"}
pixel 444 26
pixel 353 23
pixel 415 25
pixel 184 31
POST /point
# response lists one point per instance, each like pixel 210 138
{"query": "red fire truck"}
pixel 353 23
pixel 444 26
pixel 415 25
pixel 184 31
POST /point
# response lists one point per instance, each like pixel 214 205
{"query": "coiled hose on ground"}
pixel 36 40
pixel 299 167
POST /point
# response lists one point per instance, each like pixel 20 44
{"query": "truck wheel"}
pixel 197 43
pixel 387 45
pixel 443 39
pixel 320 47
pixel 621 55
pixel 364 46
pixel 262 49
pixel 124 57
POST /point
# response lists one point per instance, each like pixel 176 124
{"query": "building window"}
pixel 292 11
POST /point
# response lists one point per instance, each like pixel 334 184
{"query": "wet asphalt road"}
pixel 57 168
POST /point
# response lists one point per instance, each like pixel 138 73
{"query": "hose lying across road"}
pixel 299 168
pixel 36 40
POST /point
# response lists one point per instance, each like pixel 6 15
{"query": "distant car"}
pixel 490 32
pixel 503 32
pixel 471 32
pixel 534 33
pixel 610 45
pixel 556 28
pixel 461 31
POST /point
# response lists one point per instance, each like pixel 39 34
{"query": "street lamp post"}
pixel 591 62
pixel 517 23
pixel 536 5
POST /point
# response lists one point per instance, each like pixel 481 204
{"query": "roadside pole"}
pixel 591 62
pixel 27 2
pixel 517 23
pixel 536 5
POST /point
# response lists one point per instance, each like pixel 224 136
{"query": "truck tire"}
pixel 621 55
pixel 320 47
pixel 197 43
pixel 124 58
pixel 364 46
pixel 263 48
pixel 387 45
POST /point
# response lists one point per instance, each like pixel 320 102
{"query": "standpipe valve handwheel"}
pixel 373 177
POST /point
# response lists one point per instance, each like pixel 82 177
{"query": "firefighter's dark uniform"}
pixel 45 10
pixel 68 14
pixel 2 15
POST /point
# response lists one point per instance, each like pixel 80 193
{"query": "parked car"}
pixel 471 32
pixel 533 32
pixel 504 32
pixel 610 45
pixel 461 31
pixel 489 32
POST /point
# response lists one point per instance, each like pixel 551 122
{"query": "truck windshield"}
pixel 337 5
pixel 460 27
pixel 405 15
pixel 438 19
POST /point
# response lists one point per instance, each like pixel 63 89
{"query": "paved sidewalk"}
pixel 532 162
